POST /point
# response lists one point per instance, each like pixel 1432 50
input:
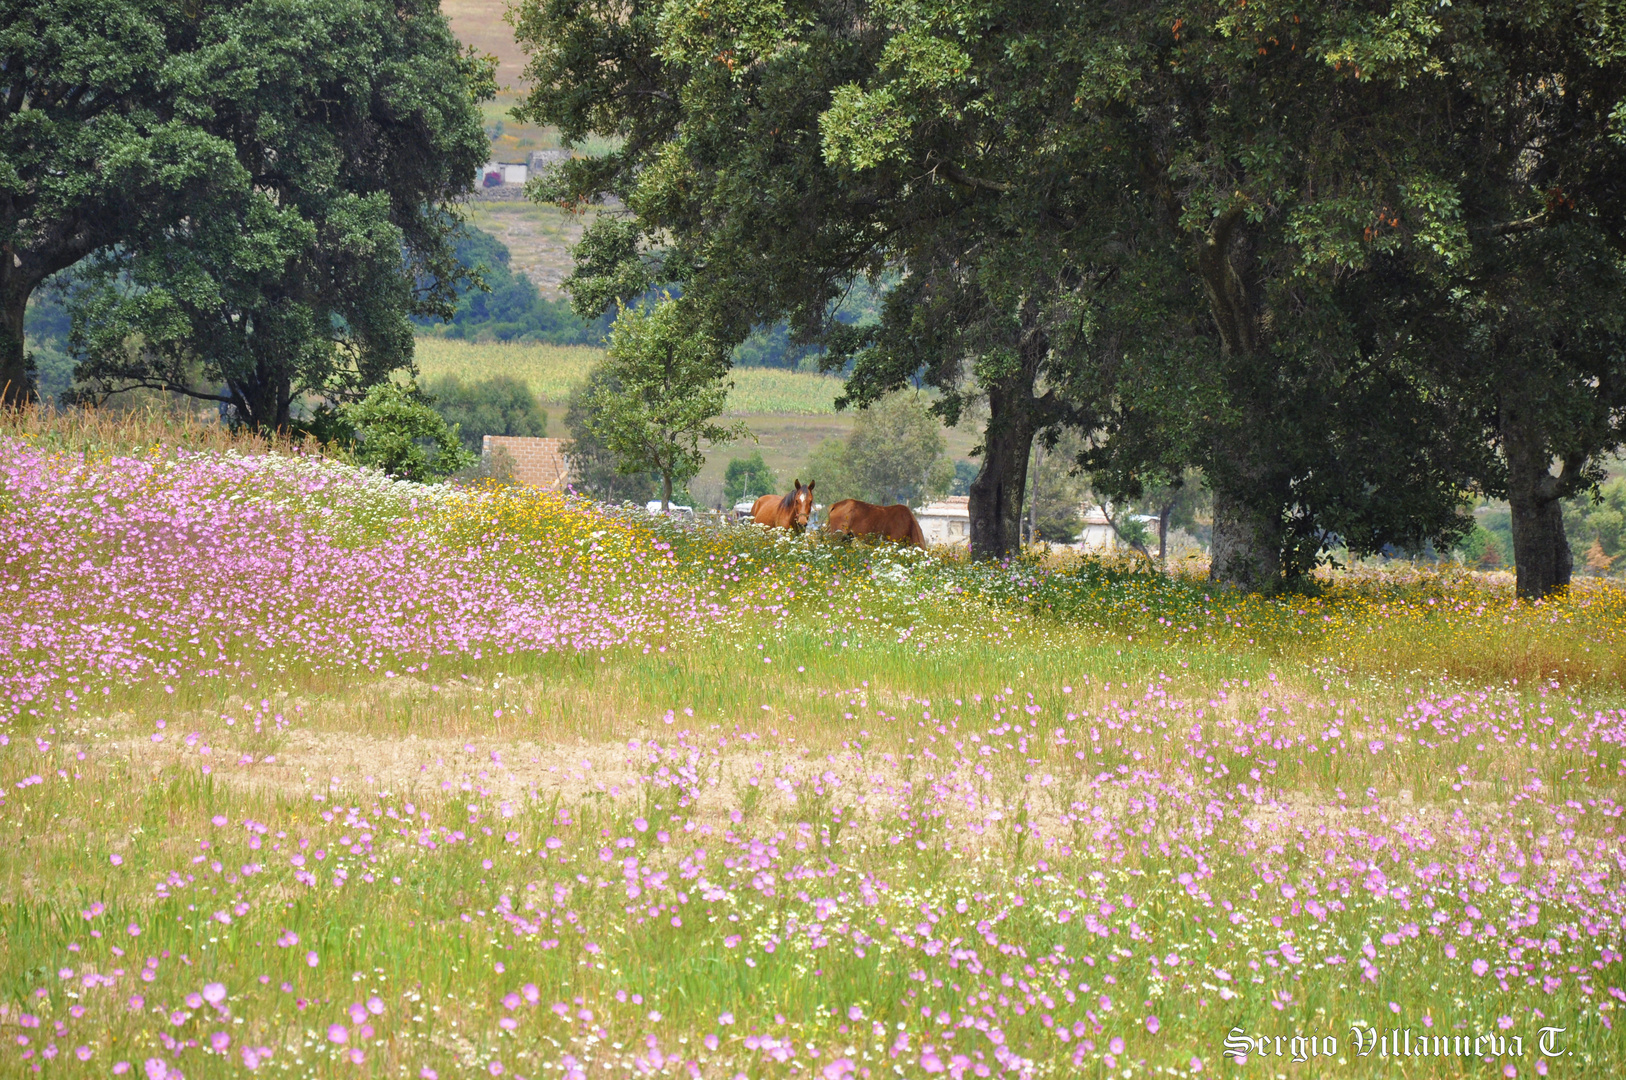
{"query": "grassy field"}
pixel 313 772
pixel 552 370
pixel 482 24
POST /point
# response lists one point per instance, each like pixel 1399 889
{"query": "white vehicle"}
pixel 683 513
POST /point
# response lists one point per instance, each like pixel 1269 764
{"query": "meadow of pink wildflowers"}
pixel 309 772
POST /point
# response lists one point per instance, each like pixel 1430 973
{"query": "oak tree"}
pixel 263 189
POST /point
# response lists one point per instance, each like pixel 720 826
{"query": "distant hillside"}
pixel 481 23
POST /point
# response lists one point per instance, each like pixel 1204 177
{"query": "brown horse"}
pixel 866 519
pixel 785 511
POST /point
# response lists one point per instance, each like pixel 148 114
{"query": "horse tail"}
pixel 916 536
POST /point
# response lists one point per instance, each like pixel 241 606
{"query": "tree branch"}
pixel 1136 544
pixel 1523 225
pixel 959 176
pixel 171 388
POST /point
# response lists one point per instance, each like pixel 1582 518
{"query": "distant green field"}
pixel 552 370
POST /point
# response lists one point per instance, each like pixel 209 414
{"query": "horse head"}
pixel 799 503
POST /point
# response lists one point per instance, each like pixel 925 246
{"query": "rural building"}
pixel 496 173
pixel 538 463
pixel 1098 534
pixel 947 521
pixel 538 160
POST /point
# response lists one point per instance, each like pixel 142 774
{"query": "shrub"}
pixel 398 431
pixel 748 476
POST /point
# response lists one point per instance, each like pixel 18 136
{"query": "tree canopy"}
pixel 256 195
pixel 748 477
pixel 1306 251
pixel 499 405
pixel 497 304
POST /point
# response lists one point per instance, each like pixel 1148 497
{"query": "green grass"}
pixel 551 371
pixel 539 237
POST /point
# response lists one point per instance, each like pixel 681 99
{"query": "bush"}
pixel 399 432
pixel 1484 549
pixel 1596 526
pixel 827 465
pixel 748 477
pixel 895 453
pixel 500 405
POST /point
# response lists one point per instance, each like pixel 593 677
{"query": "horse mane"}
pixel 788 502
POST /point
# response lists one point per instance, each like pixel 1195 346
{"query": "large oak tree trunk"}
pixel 1247 548
pixel 996 493
pixel 16 373
pixel 264 399
pixel 1541 551
pixel 1247 544
pixel 1014 417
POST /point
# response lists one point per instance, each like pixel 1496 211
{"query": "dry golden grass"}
pixel 105 430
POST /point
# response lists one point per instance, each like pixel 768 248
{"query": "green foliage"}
pixel 264 191
pixel 1487 549
pixel 594 470
pixel 1135 532
pixel 47 325
pixel 772 347
pixel 1596 526
pixel 895 452
pixel 91 142
pixel 1301 250
pixel 397 430
pixel 893 455
pixel 500 405
pixel 671 386
pixel 1056 493
pixel 828 465
pixel 748 477
pixel 610 272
